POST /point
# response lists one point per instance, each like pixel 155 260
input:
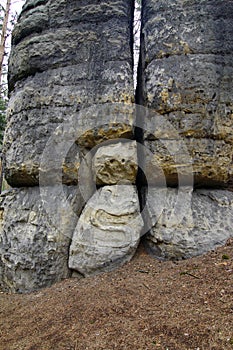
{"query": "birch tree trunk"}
pixel 4 35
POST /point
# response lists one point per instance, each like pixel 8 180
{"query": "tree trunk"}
pixel 4 35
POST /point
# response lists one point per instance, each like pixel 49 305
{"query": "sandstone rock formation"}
pixel 108 231
pixel 116 163
pixel 70 63
pixel 87 166
pixel 64 58
pixel 35 237
pixel 186 71
pixel 187 51
pixel 200 222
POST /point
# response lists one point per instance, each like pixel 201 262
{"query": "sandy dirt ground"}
pixel 146 304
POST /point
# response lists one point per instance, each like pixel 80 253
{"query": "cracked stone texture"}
pixel 189 225
pixel 108 230
pixel 187 65
pixel 65 57
pixel 116 163
pixel 35 236
pixel 179 160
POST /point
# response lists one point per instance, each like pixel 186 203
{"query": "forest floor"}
pixel 146 304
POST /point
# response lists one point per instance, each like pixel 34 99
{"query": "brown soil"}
pixel 146 304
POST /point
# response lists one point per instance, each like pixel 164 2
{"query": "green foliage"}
pixel 225 257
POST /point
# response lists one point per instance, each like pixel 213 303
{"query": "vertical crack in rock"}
pixel 93 248
pixel 140 101
pixel 136 38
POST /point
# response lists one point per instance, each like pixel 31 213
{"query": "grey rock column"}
pixel 66 56
pixel 186 82
pixel 187 53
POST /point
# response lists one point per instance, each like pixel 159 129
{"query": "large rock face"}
pixel 65 57
pixel 72 134
pixel 178 159
pixel 108 231
pixel 35 236
pixel 71 63
pixel 187 56
pixel 186 69
pixel 196 223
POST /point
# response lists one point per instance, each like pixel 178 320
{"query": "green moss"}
pixel 225 257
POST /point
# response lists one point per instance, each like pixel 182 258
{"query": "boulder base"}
pixel 108 231
pixel 189 223
pixel 35 237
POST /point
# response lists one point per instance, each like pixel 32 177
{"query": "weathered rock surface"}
pixel 189 225
pixel 35 236
pixel 209 161
pixel 65 57
pixel 108 231
pixel 116 163
pixel 187 66
pixel 71 87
